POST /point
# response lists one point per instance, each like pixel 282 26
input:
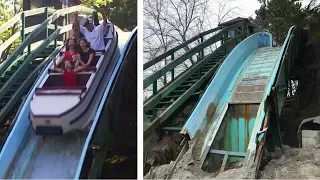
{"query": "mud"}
pixel 166 150
pixel 189 167
pixel 168 147
pixel 294 163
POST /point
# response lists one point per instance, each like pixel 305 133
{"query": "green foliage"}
pixel 95 3
pixel 8 9
pixel 122 13
pixel 277 16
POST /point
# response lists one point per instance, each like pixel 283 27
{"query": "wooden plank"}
pixel 51 10
pixel 36 32
pixel 14 37
pixel 224 162
pixel 32 28
pixel 17 17
pixel 73 9
pixel 10 23
pixel 180 46
pixel 26 62
pixel 9 41
pixel 211 31
pixel 150 79
pixel 24 86
pixel 15 62
pixel 230 153
pixel 168 53
pixel 66 28
pixel 34 11
pixel 181 154
pixel 159 120
pixel 183 77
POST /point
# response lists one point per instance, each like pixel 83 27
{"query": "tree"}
pixel 168 23
pixel 8 9
pixel 312 21
pixel 277 16
pixel 123 13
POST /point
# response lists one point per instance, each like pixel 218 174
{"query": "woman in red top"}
pixel 72 53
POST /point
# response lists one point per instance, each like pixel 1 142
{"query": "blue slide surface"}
pixel 239 89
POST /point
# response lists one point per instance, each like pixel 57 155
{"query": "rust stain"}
pixel 246 114
pixel 211 111
pixel 247 117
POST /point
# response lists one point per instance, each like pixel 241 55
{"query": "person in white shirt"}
pixel 94 35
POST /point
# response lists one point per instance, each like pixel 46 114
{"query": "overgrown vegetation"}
pixel 8 9
pixel 277 16
pixel 123 13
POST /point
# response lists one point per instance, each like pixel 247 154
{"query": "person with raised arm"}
pixel 94 35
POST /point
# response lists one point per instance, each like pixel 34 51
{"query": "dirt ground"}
pixel 295 163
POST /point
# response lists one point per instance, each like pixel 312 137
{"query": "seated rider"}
pixel 71 53
pixel 94 35
pixel 86 53
pixel 69 72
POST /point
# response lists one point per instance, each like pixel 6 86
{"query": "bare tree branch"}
pixel 168 23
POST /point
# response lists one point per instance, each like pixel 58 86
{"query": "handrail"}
pixel 38 30
pixel 180 46
pixel 150 103
pixel 290 51
pixel 17 17
pixel 184 44
pixel 30 79
pixel 15 36
pixel 5 88
pixel 150 79
pixel 21 30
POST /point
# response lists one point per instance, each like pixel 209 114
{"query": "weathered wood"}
pixel 159 120
pixel 38 30
pixel 14 37
pixel 9 41
pixel 25 86
pixel 6 87
pixel 217 37
pixel 168 89
pixel 17 17
pixel 171 51
pixel 10 23
pixel 33 12
pixel 180 46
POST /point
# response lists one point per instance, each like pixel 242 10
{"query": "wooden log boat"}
pixel 58 109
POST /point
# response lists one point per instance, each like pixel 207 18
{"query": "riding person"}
pixel 86 53
pixel 69 72
pixel 71 53
pixel 94 35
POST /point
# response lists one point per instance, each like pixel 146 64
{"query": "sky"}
pixel 248 7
